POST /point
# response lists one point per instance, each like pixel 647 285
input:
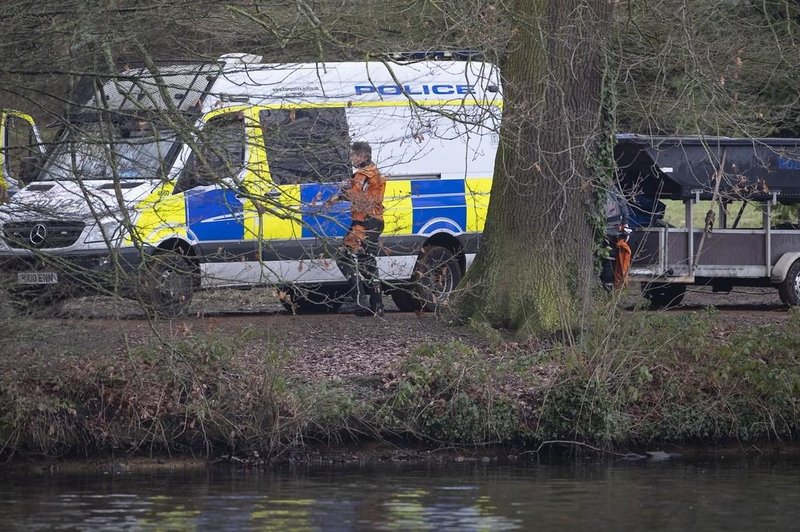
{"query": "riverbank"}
pixel 276 387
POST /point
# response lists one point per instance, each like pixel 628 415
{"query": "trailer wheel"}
pixel 168 280
pixel 436 275
pixel 663 295
pixel 789 289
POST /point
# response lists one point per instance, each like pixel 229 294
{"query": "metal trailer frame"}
pixel 760 171
pixel 679 259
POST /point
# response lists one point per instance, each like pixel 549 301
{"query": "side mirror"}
pixel 29 170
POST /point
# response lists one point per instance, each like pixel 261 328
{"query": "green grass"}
pixel 751 216
pixel 633 379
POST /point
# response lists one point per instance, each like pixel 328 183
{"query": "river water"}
pixel 676 494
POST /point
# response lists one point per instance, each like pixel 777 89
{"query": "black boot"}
pixel 375 301
pixel 355 299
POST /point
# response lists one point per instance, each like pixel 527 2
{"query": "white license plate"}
pixel 37 278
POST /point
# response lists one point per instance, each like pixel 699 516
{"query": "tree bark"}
pixel 534 270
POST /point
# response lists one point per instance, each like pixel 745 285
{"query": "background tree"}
pixel 710 67
pixel 534 270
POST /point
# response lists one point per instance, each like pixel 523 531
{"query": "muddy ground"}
pixel 321 346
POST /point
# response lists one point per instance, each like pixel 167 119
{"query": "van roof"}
pixel 237 79
pixel 139 90
pixel 350 83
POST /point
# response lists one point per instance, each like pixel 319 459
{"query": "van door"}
pixel 307 158
pixel 20 149
pixel 219 215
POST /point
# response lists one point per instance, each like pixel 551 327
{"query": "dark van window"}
pixel 219 153
pixel 306 145
pixel 20 143
pixel 222 144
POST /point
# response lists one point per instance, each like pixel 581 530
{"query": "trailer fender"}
pixel 783 265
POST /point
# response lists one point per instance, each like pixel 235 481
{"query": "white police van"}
pixel 187 176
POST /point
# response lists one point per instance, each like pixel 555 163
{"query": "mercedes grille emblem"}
pixel 38 234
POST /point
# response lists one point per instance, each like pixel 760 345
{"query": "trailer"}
pixel 721 252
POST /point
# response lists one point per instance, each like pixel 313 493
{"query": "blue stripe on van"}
pixel 214 214
pixel 319 221
pixel 438 205
pixel 437 186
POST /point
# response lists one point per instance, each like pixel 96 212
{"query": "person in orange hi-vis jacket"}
pixel 614 273
pixel 357 256
pixel 622 263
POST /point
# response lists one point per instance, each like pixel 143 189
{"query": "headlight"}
pixel 106 230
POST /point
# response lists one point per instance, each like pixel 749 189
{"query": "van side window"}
pixel 449 141
pixel 306 145
pixel 219 153
pixel 20 144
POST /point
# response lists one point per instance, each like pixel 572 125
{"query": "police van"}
pixel 179 177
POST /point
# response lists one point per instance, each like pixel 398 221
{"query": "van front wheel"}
pixel 168 281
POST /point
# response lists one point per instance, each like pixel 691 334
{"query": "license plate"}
pixel 37 278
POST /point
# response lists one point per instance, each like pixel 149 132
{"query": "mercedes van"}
pixel 175 178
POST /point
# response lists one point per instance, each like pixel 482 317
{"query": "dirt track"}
pixel 322 346
pixel 759 302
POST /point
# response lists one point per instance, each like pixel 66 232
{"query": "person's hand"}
pixel 331 200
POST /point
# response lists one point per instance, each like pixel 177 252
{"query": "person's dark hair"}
pixel 363 148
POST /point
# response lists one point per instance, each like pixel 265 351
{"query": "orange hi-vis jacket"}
pixel 365 193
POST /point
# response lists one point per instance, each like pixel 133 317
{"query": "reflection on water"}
pixel 676 495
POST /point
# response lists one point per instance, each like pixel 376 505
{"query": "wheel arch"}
pixel 178 244
pixel 781 268
pixel 451 243
pixel 187 250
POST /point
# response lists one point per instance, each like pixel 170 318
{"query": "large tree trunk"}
pixel 534 270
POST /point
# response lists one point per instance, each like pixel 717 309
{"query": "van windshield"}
pixel 133 150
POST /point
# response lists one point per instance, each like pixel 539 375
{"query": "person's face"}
pixel 356 158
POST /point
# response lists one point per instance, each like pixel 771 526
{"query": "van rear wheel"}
pixel 436 275
pixel 789 289
pixel 168 282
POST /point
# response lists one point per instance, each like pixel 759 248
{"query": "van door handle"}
pixel 274 193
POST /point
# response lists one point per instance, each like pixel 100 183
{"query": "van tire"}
pixel 663 295
pixel 168 280
pixel 436 275
pixel 789 288
pixel 310 300
pixel 405 299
